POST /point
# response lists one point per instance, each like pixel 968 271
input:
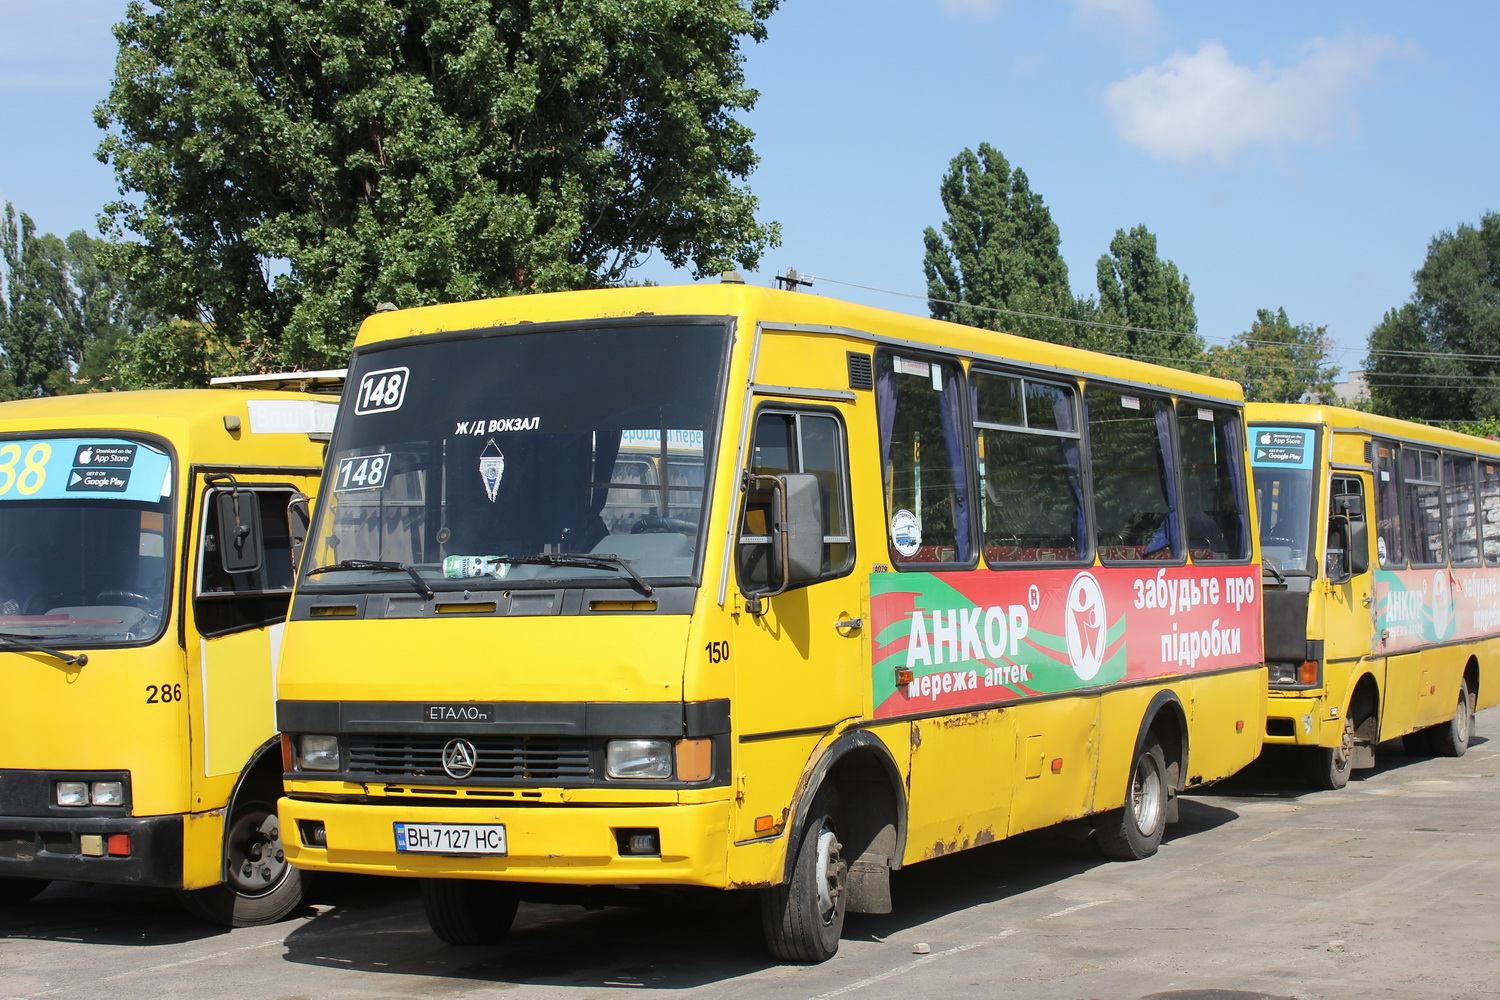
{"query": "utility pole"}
pixel 792 279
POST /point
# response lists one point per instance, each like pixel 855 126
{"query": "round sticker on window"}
pixel 906 533
pixel 1380 550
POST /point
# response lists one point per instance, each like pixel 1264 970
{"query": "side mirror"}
pixel 793 517
pixel 241 544
pixel 797 534
pixel 1359 547
pixel 298 523
pixel 1351 504
pixel 1348 548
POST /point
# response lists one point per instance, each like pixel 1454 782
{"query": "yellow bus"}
pixel 935 586
pixel 1375 634
pixel 145 574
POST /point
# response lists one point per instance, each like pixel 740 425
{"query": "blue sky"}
pixel 1285 154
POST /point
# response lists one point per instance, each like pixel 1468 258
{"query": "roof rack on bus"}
pixel 329 381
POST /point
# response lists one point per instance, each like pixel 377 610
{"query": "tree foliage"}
pixel 1438 354
pixel 998 249
pixel 1138 289
pixel 62 314
pixel 1278 362
pixel 293 163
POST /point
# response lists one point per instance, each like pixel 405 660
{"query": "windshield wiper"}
pixel 1267 567
pixel 9 640
pixel 592 560
pixel 383 565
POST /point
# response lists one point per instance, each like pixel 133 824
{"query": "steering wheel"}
pixel 126 596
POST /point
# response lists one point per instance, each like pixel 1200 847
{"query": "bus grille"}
pixel 499 758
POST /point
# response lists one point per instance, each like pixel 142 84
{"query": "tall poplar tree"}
pixel 1139 290
pixel 290 164
pixel 998 249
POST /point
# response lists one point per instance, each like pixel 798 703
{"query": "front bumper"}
pixel 551 843
pixel 1302 721
pixel 52 847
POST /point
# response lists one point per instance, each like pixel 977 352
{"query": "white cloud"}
pixel 1205 104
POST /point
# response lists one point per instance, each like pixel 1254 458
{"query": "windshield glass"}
pixel 1282 460
pixel 499 458
pixel 83 540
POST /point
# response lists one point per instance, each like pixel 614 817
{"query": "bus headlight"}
pixel 638 759
pixel 72 793
pixel 318 753
pixel 108 793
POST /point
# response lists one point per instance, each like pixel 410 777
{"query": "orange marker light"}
pixel 765 824
pixel 1056 765
pixel 118 845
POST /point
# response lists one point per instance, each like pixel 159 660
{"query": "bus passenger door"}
pixel 797 666
pixel 234 626
pixel 1349 611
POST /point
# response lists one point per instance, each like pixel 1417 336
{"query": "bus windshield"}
pixel 83 540
pixel 544 457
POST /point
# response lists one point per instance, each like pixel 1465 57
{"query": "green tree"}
pixel 1277 362
pixel 61 313
pixel 1438 355
pixel 1138 289
pixel 998 249
pixel 295 163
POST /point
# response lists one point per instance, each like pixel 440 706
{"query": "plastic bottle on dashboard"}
pixel 464 567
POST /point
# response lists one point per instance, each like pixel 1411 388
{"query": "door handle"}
pixel 849 625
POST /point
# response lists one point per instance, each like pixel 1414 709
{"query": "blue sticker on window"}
pixel 1281 447
pixel 82 468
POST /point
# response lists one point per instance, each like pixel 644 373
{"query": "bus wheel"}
pixel 1452 738
pixel 1328 767
pixel 19 890
pixel 469 911
pixel 262 887
pixel 804 918
pixel 1135 831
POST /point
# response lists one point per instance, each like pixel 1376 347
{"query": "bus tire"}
pixel 1451 739
pixel 469 911
pixel 1134 831
pixel 14 891
pixel 1328 767
pixel 804 918
pixel 262 887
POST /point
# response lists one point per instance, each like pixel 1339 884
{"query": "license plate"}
pixel 451 838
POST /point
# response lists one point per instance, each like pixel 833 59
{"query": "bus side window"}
pixel 782 442
pixel 1389 546
pixel 1213 482
pixel 1489 506
pixel 1030 469
pixel 1134 488
pixel 923 434
pixel 1461 500
pixel 229 602
pixel 1422 496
